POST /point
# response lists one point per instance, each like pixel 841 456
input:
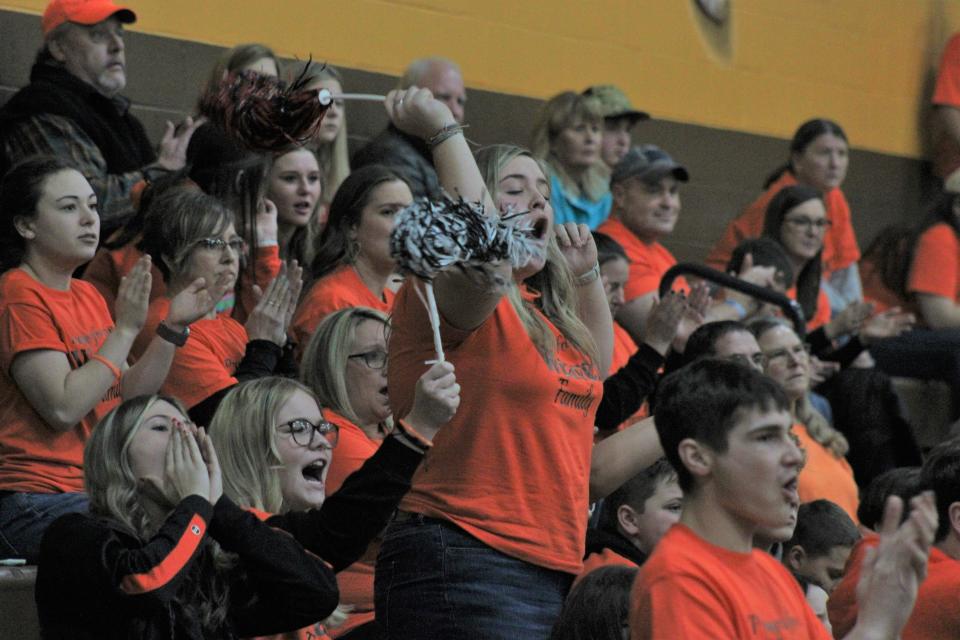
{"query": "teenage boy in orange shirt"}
pixel 725 427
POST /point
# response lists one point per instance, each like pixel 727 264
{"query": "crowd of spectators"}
pixel 222 413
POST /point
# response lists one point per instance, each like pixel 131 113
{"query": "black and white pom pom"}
pixel 429 236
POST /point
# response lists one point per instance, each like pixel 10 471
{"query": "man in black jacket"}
pixel 73 109
pixel 408 155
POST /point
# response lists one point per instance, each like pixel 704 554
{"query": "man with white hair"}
pixel 407 155
pixel 73 109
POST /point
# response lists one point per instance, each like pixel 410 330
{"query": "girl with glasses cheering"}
pixel 164 551
pixel 277 447
pixel 345 364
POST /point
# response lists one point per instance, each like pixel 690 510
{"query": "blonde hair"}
pixel 560 112
pixel 325 358
pixel 244 432
pixel 114 496
pixel 820 428
pixel 555 282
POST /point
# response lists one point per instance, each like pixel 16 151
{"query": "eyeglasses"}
pixel 808 224
pixel 798 352
pixel 304 432
pixel 373 359
pixel 237 245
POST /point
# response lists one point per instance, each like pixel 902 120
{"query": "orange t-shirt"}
pixel 33 456
pixel 822 315
pixel 606 558
pixel 840 247
pixel 842 605
pixel 648 261
pixel 356 581
pixel 207 362
pixel 876 292
pixel 623 348
pixel 935 616
pixel 109 266
pixel 341 289
pixel 512 466
pixel 946 154
pixel 826 476
pixel 936 263
pixel 692 589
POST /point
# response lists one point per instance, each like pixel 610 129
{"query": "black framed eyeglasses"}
pixel 376 359
pixel 304 432
pixel 237 245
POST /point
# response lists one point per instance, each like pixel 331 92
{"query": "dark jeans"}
pixel 433 580
pixel 25 516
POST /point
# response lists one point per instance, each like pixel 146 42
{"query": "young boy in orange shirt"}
pixel 725 428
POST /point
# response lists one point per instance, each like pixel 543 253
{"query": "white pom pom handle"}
pixel 326 97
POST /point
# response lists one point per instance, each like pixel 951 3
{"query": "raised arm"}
pixel 464 300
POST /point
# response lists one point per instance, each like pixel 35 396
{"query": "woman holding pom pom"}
pixel 495 520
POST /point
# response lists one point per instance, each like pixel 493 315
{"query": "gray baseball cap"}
pixel 650 163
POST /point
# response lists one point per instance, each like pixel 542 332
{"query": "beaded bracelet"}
pixel 444 134
pixel 114 369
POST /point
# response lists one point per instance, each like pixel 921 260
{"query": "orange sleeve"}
pixel 947 89
pixel 681 607
pixel 26 328
pixel 935 263
pixel 840 248
pixel 197 372
pixel 748 224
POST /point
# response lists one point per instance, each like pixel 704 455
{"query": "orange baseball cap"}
pixel 83 12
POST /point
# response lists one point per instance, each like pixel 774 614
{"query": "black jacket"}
pixel 107 121
pixel 97 581
pixel 88 568
pixel 405 154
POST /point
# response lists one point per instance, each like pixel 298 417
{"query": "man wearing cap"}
pixel 619 118
pixel 408 155
pixel 646 205
pixel 73 109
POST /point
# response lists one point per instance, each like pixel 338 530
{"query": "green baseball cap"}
pixel 613 103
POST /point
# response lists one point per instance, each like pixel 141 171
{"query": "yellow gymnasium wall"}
pixel 864 63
